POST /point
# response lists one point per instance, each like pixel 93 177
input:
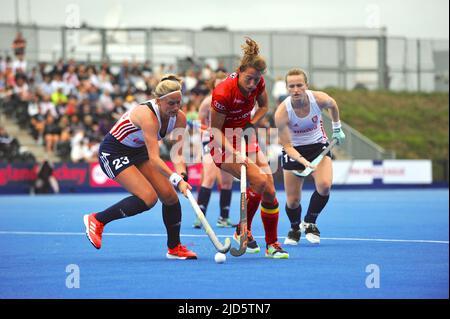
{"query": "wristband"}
pixel 175 179
pixel 336 125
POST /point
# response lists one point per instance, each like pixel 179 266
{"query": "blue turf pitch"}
pixel 403 232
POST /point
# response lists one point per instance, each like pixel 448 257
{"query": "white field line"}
pixel 38 233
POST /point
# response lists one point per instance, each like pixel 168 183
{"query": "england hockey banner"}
pixel 367 172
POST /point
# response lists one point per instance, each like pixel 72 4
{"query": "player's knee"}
pixel 227 184
pixel 150 200
pixel 170 199
pixel 293 202
pixel 323 188
pixel 269 192
pixel 208 182
pixel 260 184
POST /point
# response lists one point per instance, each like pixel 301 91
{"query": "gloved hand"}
pixel 339 135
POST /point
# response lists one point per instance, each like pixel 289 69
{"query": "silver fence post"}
pixel 104 45
pixel 310 59
pixel 382 63
pixel 342 76
pixel 63 43
pixel 419 84
pixel 149 45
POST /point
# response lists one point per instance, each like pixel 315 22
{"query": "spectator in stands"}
pixel 82 148
pixel 57 82
pixel 279 91
pixel 9 146
pixel 189 80
pixel 221 67
pixel 118 109
pixel 2 85
pixel 8 62
pixel 147 67
pixel 104 81
pixel 207 73
pixel 71 106
pixel 59 67
pixel 130 102
pixel 106 102
pixel 46 87
pixel 19 44
pixel 21 89
pixel 92 76
pixel 59 97
pixel 51 133
pixel 191 111
pixel 19 65
pixel 93 95
pixel 37 119
pixel 105 67
pixel 45 182
pixel 36 77
pixel 70 78
pixel 63 145
pixel 2 65
pixel 75 124
pixel 47 106
pixel 85 108
pixel 21 97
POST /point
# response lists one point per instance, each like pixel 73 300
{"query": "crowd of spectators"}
pixel 69 106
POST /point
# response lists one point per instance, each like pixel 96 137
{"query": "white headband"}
pixel 165 95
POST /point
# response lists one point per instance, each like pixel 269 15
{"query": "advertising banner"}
pixel 366 172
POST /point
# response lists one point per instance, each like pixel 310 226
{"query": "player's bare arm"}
pixel 203 111
pixel 284 137
pixel 327 102
pixel 177 156
pixel 262 108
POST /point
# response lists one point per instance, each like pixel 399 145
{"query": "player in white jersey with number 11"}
pixel 301 133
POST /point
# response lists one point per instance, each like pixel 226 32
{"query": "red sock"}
pixel 269 216
pixel 253 200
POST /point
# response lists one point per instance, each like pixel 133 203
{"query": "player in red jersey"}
pixel 232 103
pixel 210 172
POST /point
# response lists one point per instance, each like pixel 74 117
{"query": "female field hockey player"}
pixel 129 154
pixel 210 172
pixel 301 133
pixel 232 103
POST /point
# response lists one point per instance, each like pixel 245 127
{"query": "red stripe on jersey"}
pixel 119 134
pixel 127 133
pixel 119 125
pixel 122 130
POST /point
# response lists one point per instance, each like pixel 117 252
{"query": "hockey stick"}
pixel 243 218
pixel 315 161
pixel 212 236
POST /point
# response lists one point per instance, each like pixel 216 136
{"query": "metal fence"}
pixel 364 58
